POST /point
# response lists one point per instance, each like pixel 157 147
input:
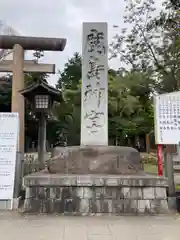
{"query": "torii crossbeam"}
pixel 30 66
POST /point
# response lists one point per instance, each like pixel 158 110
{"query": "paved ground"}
pixel 16 227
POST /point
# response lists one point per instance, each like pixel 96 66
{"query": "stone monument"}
pixel 94 177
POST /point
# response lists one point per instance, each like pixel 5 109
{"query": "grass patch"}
pixel 149 158
pixel 149 161
pixel 150 165
pixel 150 168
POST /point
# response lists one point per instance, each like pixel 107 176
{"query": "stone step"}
pixel 177 168
pixel 89 194
pixel 177 178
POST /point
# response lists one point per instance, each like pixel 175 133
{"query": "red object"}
pixel 160 159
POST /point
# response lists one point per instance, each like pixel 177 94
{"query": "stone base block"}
pixel 172 203
pixel 91 194
pixel 9 205
pixel 95 160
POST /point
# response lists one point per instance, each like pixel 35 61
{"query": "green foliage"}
pixel 152 44
pixel 71 74
pixel 69 112
pixel 129 106
pixel 68 115
pixel 31 78
pixel 5 93
pixel 175 4
pixel 5 100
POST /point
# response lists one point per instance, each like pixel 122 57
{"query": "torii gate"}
pixel 18 66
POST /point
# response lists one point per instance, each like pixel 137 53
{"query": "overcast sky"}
pixel 61 18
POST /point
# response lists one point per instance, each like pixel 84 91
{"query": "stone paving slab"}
pixel 14 226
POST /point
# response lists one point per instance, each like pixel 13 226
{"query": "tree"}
pixel 5 93
pixel 175 4
pixel 31 78
pixel 169 74
pixel 6 88
pixel 136 48
pixel 130 106
pixel 151 45
pixel 150 48
pixel 68 115
pixel 71 74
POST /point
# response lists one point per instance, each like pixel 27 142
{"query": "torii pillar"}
pixel 19 44
pixel 17 100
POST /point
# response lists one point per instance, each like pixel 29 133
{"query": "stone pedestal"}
pixel 95 160
pixel 95 194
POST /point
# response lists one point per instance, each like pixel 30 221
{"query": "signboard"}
pixel 94 94
pixel 8 145
pixel 167 118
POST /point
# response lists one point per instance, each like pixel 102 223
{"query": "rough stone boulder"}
pixel 95 160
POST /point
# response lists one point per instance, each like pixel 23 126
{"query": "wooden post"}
pixel 148 146
pixel 170 176
pixel 170 172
